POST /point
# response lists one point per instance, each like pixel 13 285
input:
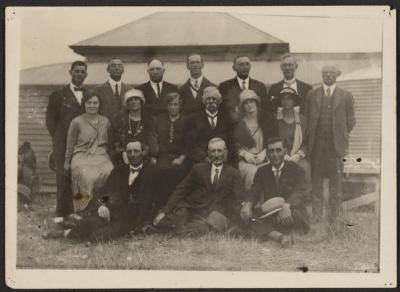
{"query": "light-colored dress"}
pixel 87 150
pixel 248 170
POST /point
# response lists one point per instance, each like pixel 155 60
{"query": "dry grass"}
pixel 352 249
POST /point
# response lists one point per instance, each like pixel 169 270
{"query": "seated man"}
pixel 209 123
pixel 206 199
pixel 123 204
pixel 278 179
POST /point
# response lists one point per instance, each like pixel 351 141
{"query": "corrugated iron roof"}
pixel 181 29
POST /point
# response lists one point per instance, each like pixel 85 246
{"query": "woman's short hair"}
pixel 88 95
pixel 172 96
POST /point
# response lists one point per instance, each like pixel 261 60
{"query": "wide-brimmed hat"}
pixel 271 206
pixel 51 161
pixel 288 92
pixel 134 93
pixel 248 94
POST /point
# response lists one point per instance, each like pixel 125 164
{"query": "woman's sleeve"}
pixel 72 139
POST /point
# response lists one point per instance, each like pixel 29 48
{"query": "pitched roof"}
pixel 181 29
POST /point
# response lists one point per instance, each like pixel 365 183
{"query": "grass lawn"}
pixel 354 249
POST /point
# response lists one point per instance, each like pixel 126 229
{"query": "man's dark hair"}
pixel 193 54
pixel 115 58
pixel 78 63
pixel 275 139
pixel 239 56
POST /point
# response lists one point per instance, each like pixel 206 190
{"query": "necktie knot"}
pixel 78 89
pixel 328 91
pixel 158 89
pixel 215 179
pixel 135 170
pixel 196 84
pixel 212 118
pixel 243 84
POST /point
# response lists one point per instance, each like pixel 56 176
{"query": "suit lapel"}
pixel 222 176
pixel 336 98
pixel 319 96
pixel 208 176
pixel 70 95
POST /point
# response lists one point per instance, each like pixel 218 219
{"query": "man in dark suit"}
pixel 277 179
pixel 123 204
pixel 192 91
pixel 156 88
pixel 330 118
pixel 230 89
pixel 64 105
pixel 209 123
pixel 113 90
pixel 289 67
pixel 207 198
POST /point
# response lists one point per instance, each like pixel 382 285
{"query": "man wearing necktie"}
pixel 230 89
pixel 65 105
pixel 207 199
pixel 330 119
pixel 112 91
pixel 192 91
pixel 122 205
pixel 156 89
pixel 288 68
pixel 211 122
pixel 283 179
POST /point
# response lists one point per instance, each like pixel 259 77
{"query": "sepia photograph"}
pixel 200 144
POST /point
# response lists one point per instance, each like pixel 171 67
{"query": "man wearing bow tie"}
pixel 113 90
pixel 192 91
pixel 211 122
pixel 330 119
pixel 207 198
pixel 289 67
pixel 65 105
pixel 123 204
pixel 156 88
pixel 230 89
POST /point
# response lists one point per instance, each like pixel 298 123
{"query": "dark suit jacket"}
pixel 199 133
pixel 343 119
pixel 197 192
pixel 230 91
pixel 302 90
pixel 190 104
pixel 62 108
pixel 116 193
pixel 110 108
pixel 153 104
pixel 292 187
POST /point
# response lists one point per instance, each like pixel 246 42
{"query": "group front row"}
pixel 188 175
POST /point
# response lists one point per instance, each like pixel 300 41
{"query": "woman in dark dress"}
pixel 168 148
pixel 133 123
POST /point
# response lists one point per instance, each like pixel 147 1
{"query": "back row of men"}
pixel 329 111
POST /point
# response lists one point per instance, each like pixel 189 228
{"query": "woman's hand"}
pixel 246 213
pixel 67 166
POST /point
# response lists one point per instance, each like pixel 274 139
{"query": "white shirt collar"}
pixel 214 167
pixel 332 87
pixel 274 169
pixel 72 86
pixel 154 84
pixel 240 81
pixel 293 80
pixel 136 168
pixel 113 82
pixel 210 114
pixel 193 80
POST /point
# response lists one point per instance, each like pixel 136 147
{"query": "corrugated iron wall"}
pixel 364 140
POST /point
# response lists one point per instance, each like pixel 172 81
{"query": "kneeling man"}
pixel 207 198
pixel 283 182
pixel 124 203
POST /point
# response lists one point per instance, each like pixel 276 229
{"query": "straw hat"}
pixel 288 92
pixel 134 93
pixel 248 94
pixel 271 206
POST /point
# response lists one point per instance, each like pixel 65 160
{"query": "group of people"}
pixel 197 158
